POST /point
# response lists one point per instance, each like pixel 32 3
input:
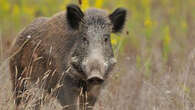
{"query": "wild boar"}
pixel 69 55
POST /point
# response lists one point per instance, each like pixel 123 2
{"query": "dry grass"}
pixel 167 88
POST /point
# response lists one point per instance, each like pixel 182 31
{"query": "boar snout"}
pixel 95 78
pixel 96 72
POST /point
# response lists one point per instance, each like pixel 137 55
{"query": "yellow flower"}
pixel 98 3
pixel 16 10
pixel 113 41
pixel 5 5
pixel 184 24
pixel 167 37
pixel 148 23
pixel 28 11
pixel 85 5
pixel 146 2
pixel 166 42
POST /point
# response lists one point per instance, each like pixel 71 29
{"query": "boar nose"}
pixel 95 79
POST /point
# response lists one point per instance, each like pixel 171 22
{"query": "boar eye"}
pixel 106 37
pixel 84 39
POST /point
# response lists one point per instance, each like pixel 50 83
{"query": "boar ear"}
pixel 118 19
pixel 74 16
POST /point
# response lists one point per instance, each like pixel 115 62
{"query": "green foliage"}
pixel 149 22
pixel 166 42
pixel 147 65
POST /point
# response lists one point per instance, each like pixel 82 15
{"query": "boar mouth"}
pixel 95 78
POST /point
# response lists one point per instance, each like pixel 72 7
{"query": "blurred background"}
pixel 155 52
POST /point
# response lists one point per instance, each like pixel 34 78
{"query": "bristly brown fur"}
pixel 43 52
